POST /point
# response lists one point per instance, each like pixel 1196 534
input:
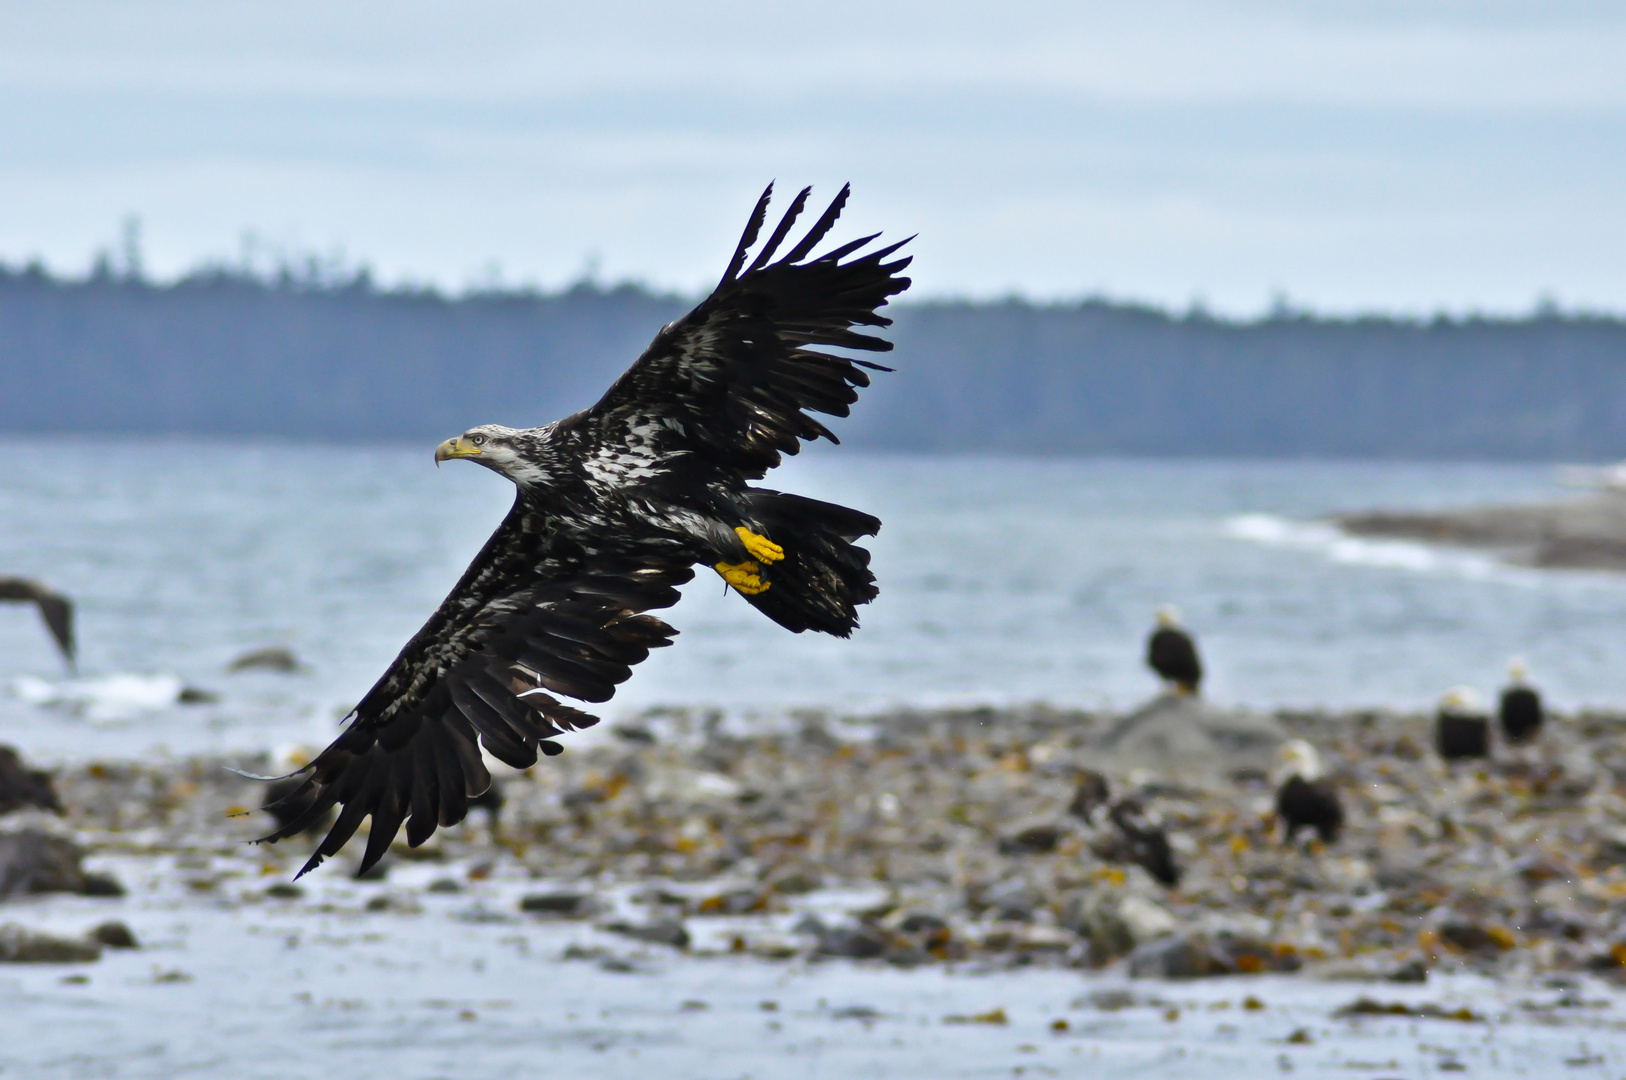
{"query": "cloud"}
pixel 1357 154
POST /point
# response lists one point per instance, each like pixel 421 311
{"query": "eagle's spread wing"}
pixel 519 625
pixel 54 608
pixel 734 380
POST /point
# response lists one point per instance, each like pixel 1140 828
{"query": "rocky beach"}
pixel 777 877
pixel 1578 533
pixel 964 833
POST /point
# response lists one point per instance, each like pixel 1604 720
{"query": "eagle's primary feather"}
pixel 615 505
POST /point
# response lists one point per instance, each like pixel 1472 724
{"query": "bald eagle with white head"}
pixel 1304 798
pixel 1172 653
pixel 613 508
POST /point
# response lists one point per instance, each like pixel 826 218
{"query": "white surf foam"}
pixel 103 700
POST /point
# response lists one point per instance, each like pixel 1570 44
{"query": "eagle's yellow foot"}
pixel 743 576
pixel 761 548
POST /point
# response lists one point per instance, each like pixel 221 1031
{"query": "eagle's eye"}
pixel 478 440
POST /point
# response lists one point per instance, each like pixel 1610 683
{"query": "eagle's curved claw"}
pixel 761 548
pixel 743 576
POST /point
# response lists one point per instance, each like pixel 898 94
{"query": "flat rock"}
pixel 32 861
pixel 22 946
pixel 115 935
pixel 1190 956
pixel 22 788
pixel 1586 532
pixel 854 942
pixel 565 905
pixel 658 932
pixel 1184 740
pixel 272 658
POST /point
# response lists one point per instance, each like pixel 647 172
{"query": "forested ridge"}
pixel 227 354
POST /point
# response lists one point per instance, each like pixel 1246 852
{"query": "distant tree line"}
pixel 334 357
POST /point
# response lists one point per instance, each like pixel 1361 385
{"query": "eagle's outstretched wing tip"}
pixel 753 226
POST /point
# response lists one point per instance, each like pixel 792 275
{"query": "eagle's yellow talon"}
pixel 761 548
pixel 743 576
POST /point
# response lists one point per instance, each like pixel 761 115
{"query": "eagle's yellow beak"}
pixel 455 448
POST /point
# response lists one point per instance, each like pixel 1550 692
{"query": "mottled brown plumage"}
pixel 614 506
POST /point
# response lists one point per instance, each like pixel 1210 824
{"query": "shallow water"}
pixel 1002 580
pixel 229 983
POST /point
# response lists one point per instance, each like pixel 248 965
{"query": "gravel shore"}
pixel 1584 533
pixel 947 838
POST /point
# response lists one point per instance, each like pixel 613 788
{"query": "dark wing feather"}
pixel 517 625
pixel 54 608
pixel 734 380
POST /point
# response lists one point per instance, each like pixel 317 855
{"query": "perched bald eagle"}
pixel 1461 727
pixel 615 505
pixel 1520 711
pixel 54 608
pixel 1172 653
pixel 1304 798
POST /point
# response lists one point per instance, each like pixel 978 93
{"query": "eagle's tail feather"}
pixel 824 576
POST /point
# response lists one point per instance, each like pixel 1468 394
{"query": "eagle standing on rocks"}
pixel 1304 798
pixel 1172 653
pixel 1461 727
pixel 615 506
pixel 1520 711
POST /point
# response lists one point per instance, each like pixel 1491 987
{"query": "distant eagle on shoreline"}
pixel 615 505
pixel 1172 653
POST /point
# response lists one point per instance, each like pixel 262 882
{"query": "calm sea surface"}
pixel 1003 580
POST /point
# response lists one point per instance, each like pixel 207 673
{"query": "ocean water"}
pixel 1003 580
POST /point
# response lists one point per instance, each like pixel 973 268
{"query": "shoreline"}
pixel 952 828
pixel 1581 533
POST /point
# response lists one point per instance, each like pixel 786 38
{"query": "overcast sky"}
pixel 1353 155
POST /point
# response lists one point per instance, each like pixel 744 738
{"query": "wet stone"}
pixel 562 905
pixel 1034 840
pixel 853 942
pixel 32 861
pixel 22 788
pixel 670 932
pixel 115 935
pixel 277 658
pixel 22 946
pixel 103 885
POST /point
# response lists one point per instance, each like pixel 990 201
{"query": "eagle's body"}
pixel 1304 798
pixel 1520 711
pixel 1172 653
pixel 1461 726
pixel 614 506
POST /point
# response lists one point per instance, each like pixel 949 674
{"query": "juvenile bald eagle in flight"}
pixel 615 506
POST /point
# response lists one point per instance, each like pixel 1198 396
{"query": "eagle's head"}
pixel 510 451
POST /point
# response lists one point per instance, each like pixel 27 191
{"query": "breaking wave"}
pixel 107 699
pixel 1339 547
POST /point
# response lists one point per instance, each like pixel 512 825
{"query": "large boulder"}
pixel 32 861
pixel 1183 740
pixel 22 946
pixel 22 788
pixel 1115 920
pixel 1190 956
